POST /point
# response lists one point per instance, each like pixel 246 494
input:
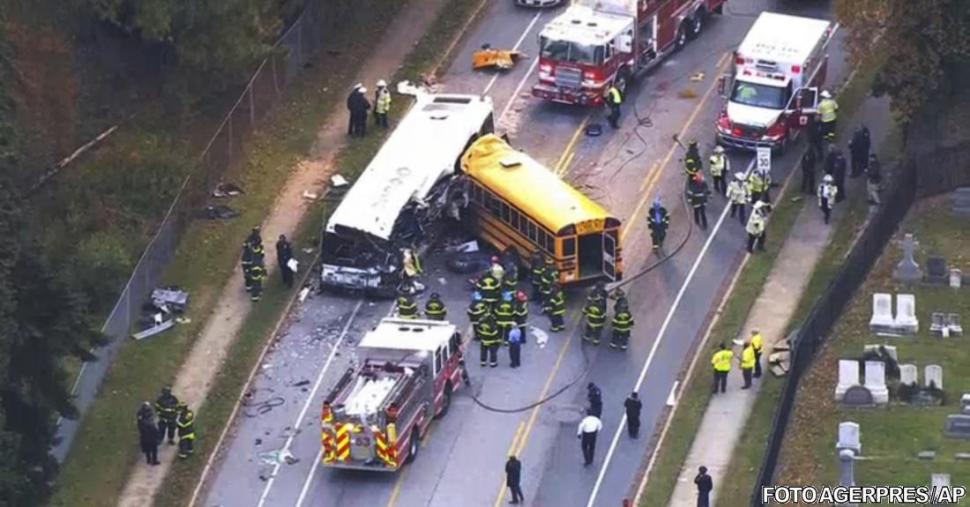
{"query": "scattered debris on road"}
pixel 502 59
pixel 219 212
pixel 162 312
pixel 697 77
pixel 541 337
pixel 310 196
pixel 227 190
pixel 254 407
pixel 337 181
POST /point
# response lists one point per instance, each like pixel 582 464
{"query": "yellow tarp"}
pixel 498 58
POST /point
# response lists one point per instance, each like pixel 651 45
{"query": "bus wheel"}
pixel 681 40
pixel 414 444
pixel 697 23
pixel 445 401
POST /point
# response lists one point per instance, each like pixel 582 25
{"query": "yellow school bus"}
pixel 516 202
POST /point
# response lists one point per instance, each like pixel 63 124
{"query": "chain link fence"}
pixel 265 89
pixel 939 171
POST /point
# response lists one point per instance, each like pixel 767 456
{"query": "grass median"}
pixel 687 415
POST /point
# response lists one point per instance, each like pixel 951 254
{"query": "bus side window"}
pixel 477 194
pixel 504 210
pixel 532 232
pixel 569 247
pixel 491 203
pixel 515 220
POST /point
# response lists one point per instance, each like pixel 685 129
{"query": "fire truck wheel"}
pixel 697 23
pixel 414 445
pixel 681 40
pixel 445 401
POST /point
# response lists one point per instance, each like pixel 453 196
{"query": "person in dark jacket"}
pixel 859 150
pixel 633 407
pixel 595 398
pixel 697 192
pixel 148 435
pixel 808 171
pixel 284 252
pixel 166 406
pixel 358 105
pixel 658 220
pixel 704 487
pixel 835 166
pixel 513 479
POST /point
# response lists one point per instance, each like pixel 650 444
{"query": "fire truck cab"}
pixel 376 415
pixel 774 91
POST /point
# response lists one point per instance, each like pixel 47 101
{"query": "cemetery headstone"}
pixel 934 376
pixel 926 455
pixel 957 426
pixel 846 468
pixel 908 270
pixel 882 313
pixel 937 322
pixel 848 376
pixel 849 438
pixel 908 374
pixel 876 381
pixel 858 396
pixel 956 278
pixel 936 270
pixel 953 324
pixel 906 321
pixel 965 403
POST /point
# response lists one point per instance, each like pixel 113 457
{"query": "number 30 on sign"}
pixel 764 159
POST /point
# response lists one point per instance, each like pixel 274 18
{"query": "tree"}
pixel 922 43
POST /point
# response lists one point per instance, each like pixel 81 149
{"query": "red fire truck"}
pixel 598 42
pixel 377 413
pixel 778 69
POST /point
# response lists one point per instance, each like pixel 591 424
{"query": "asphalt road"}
pixel 461 460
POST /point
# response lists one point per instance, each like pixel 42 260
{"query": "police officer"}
pixel 186 423
pixel 756 228
pixel 537 270
pixel 505 316
pixel 284 252
pixel 556 308
pixel 407 308
pixel 633 407
pixel 148 434
pixel 838 173
pixel 166 406
pixel 622 326
pixel 352 108
pixel 521 313
pixel 358 112
pixel 658 220
pixel 808 172
pixel 257 274
pixel 614 99
pixel 720 167
pixel 595 320
pixel 828 113
pixel 859 150
pixel 515 347
pixel 476 310
pixel 486 332
pixel 827 193
pixel 382 103
pixel 722 365
pixel 595 398
pixel 697 192
pixel 738 195
pixel 434 309
pixel 758 344
pixel 747 364
pixel 489 288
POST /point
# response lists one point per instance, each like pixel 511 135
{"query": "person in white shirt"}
pixel 589 427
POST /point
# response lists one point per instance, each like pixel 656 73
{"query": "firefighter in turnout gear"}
pixel 505 317
pixel 621 302
pixel 166 406
pixel 556 308
pixel 692 160
pixel 511 280
pixel 828 114
pixel 597 295
pixel 477 309
pixel 622 326
pixel 614 99
pixel 658 220
pixel 720 168
pixel 248 259
pixel 487 333
pixel 697 192
pixel 595 320
pixel 537 271
pixel 434 309
pixel 257 274
pixel 489 288
pixel 521 312
pixel 739 196
pixel 549 278
pixel 186 424
pixel 407 308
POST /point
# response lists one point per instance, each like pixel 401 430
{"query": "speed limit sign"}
pixel 764 159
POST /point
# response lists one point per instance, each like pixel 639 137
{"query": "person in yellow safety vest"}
pixel 505 317
pixel 382 103
pixel 720 167
pixel 613 100
pixel 407 308
pixel 758 343
pixel 828 110
pixel 538 270
pixel 486 332
pixel 739 196
pixel 756 185
pixel 747 364
pixel 595 320
pixel 556 308
pixel 186 423
pixel 622 326
pixel 434 309
pixel 521 312
pixel 722 365
pixel 488 287
pixel 756 228
pixel 477 309
pixel 497 270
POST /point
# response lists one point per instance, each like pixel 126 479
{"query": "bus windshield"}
pixel 759 95
pixel 565 51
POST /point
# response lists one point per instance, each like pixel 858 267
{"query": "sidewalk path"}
pixel 209 351
pixel 727 413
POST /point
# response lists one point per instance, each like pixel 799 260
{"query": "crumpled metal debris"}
pixel 502 59
pixel 219 212
pixel 227 190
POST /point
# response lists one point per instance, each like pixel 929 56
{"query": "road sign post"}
pixel 764 159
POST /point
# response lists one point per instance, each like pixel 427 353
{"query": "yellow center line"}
pixel 515 439
pixel 654 176
pixel 565 165
pixel 562 165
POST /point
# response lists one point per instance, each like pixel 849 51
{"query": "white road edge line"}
pixel 656 345
pixel 309 478
pixel 310 399
pixel 672 397
pixel 518 43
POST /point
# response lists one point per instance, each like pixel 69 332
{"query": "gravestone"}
pixel 875 348
pixel 956 277
pixel 957 426
pixel 876 381
pixel 908 374
pixel 936 270
pixel 846 468
pixel 938 322
pixel 882 313
pixel 953 324
pixel 933 375
pixel 849 438
pixel 961 201
pixel 908 270
pixel 848 376
pixel 858 396
pixel 965 403
pixel 906 321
